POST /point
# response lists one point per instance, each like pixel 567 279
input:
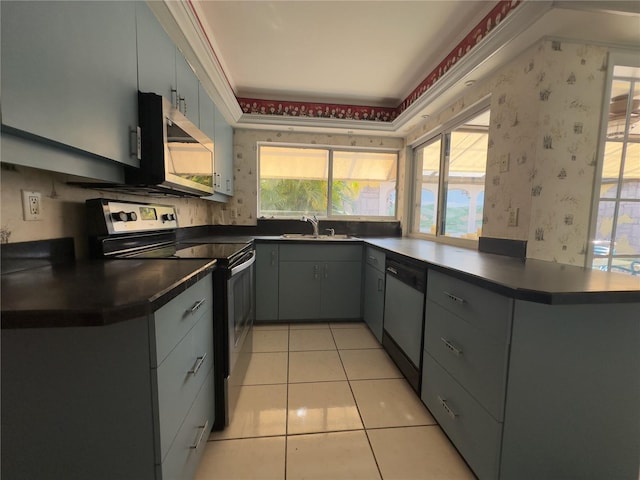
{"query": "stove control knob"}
pixel 168 217
pixel 119 216
pixel 124 216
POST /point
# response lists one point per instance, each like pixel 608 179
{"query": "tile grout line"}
pixel 286 406
pixel 364 427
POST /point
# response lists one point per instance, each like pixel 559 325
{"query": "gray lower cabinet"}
pixel 320 282
pixel 69 74
pixel 514 382
pixel 129 400
pixel 373 290
pixel 267 275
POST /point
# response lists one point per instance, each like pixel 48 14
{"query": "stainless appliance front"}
pixel 240 318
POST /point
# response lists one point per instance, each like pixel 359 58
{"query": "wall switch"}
pixel 31 205
pixel 513 217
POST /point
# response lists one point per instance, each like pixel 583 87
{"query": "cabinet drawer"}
pixel 375 258
pixel 471 429
pixel 182 460
pixel 180 377
pixel 322 253
pixel 177 317
pixel 486 310
pixel 477 361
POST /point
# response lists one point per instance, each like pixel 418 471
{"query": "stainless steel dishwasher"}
pixel 404 299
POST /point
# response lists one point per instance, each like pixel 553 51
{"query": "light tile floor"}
pixel 325 401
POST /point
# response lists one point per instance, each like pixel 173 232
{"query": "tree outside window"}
pixel 326 182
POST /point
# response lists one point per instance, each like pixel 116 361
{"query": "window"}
pixel 616 237
pixel 449 179
pixel 327 182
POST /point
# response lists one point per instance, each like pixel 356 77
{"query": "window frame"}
pixel 616 58
pixel 331 149
pixel 440 133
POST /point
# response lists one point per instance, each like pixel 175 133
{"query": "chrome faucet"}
pixel 314 222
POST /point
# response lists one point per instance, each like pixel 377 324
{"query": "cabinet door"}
pixel 188 86
pixel 156 55
pixel 341 287
pixel 224 154
pixel 206 112
pixel 403 317
pixel 373 303
pixel 299 290
pixel 69 74
pixel 266 282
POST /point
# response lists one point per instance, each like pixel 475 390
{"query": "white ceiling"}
pixel 371 53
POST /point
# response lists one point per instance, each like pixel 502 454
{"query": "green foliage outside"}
pixel 292 197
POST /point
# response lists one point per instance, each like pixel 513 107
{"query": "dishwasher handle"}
pixel 412 275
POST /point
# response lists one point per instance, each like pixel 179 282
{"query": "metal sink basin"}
pixel 310 236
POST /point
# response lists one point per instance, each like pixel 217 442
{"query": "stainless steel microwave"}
pixel 174 153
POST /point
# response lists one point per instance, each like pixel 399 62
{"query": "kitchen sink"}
pixel 310 236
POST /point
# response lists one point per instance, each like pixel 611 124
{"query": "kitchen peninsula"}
pixel 552 367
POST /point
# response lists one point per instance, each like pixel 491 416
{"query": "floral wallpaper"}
pixel 543 137
pixel 63 207
pixel 551 148
pixel 245 149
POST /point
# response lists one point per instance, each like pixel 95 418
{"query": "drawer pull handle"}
pixel 452 348
pixel 198 364
pixel 197 305
pixel 380 286
pixel 447 408
pixel 454 298
pixel 201 436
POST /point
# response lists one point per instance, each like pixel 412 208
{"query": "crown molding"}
pixel 502 36
pixel 183 26
pixel 182 22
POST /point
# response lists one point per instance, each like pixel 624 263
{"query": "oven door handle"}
pixel 243 266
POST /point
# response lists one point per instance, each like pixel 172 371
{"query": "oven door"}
pixel 240 317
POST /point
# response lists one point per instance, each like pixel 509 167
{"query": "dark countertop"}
pixel 533 280
pixel 101 292
pixel 92 293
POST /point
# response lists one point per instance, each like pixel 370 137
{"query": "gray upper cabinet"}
pixel 224 155
pixel 156 55
pixel 69 74
pixel 162 68
pixel 206 112
pixel 188 87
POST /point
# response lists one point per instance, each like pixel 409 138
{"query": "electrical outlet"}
pixel 234 213
pixel 513 217
pixel 31 205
